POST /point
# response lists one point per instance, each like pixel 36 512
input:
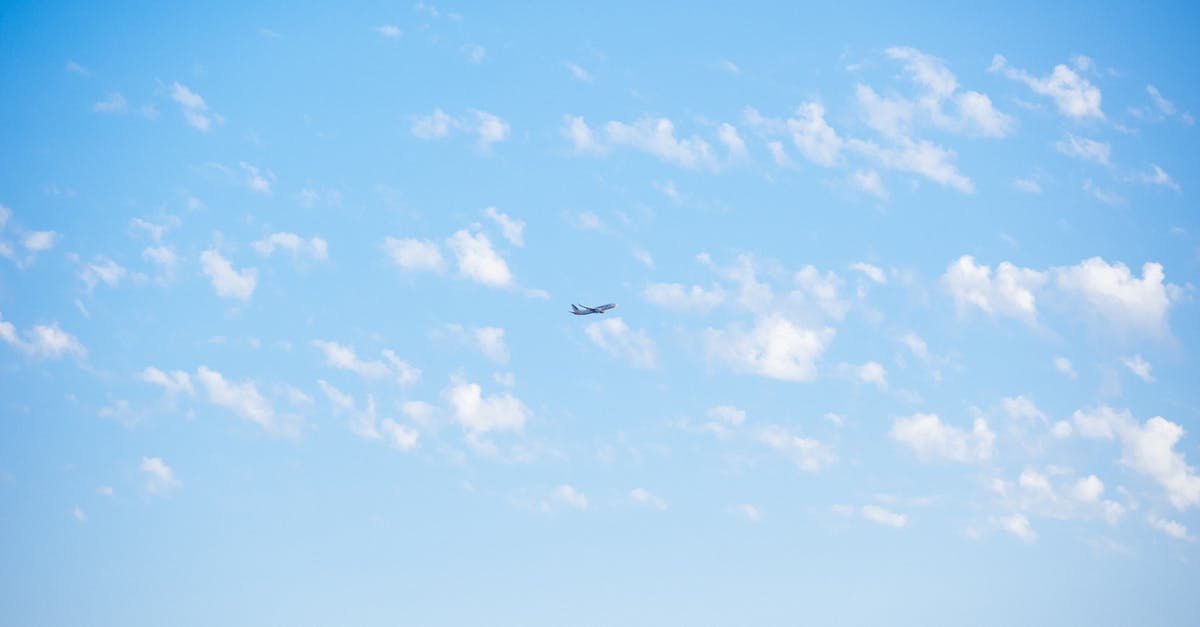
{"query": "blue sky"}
pixel 906 326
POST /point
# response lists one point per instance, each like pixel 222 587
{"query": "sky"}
pixel 906 326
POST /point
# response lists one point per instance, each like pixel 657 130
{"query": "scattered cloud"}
pixel 578 72
pixel 1139 366
pixel 808 454
pixel 679 298
pixel 747 512
pixel 616 338
pixel 1147 448
pixel 512 229
pixel 114 103
pixel 879 515
pixel 488 128
pixel 931 439
pixel 1084 149
pixel 314 247
pixel 157 477
pixel 775 347
pixel 478 261
pixel 1009 293
pixel 1074 96
pixel 228 282
pixel 415 255
pixel 195 110
pixel 42 341
pixel 567 495
pixel 643 496
pixel 656 136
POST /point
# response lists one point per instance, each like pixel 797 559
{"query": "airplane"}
pixel 591 310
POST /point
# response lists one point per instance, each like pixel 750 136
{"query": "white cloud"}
pixel 1127 304
pixel 1165 106
pixel 173 382
pixel 1073 95
pixel 1139 366
pixel 1063 365
pixel 728 66
pixel 870 182
pixel 873 373
pixel 931 439
pixel 1022 408
pixel 578 72
pixel 474 53
pixel 1103 195
pixel 389 31
pixel 677 297
pixel 643 257
pixel 163 256
pixel 195 110
pixel 1062 429
pixel 257 180
pixel 569 496
pixel 487 127
pixel 399 436
pixel 776 348
pixel 877 514
pixel 491 342
pixel 479 414
pixel 415 255
pixel 916 345
pixel 747 512
pixel 114 103
pixel 344 357
pixel 919 157
pixel 645 497
pixel 75 68
pixel 1147 448
pixel 362 422
pixel 37 241
pixel 728 134
pixel 433 126
pixel 244 400
pixel 159 478
pixel 102 270
pixel 1018 525
pixel 1169 527
pixel 823 290
pixel 872 272
pixel 971 113
pixel 228 283
pixel 617 339
pixel 1084 148
pixel 44 341
pixel 1157 177
pixel 78 514
pixel 513 229
pixel 1029 186
pixel 1009 293
pixel 812 136
pixel 406 373
pixel 478 261
pixel 808 454
pixel 314 247
pixel 582 137
pixel 657 137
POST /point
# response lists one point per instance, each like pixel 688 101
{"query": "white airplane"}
pixel 591 310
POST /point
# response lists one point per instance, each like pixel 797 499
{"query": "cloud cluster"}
pixel 488 128
pixel 1107 293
